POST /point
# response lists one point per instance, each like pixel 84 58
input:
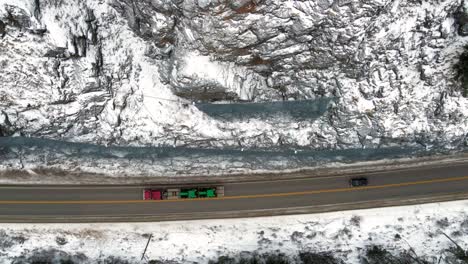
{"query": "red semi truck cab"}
pixel 150 194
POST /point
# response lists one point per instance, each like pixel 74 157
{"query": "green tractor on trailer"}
pixel 183 193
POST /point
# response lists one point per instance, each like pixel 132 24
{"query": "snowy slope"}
pixel 345 234
pixel 125 72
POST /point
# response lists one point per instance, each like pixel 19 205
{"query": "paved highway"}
pixel 124 203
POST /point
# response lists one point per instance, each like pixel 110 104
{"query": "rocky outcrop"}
pixel 126 72
pixel 461 19
pixel 2 29
pixel 5 127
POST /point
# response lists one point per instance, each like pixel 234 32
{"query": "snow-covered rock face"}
pixel 124 72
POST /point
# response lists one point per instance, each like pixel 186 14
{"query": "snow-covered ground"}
pixel 346 235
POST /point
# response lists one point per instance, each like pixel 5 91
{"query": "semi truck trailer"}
pixel 183 193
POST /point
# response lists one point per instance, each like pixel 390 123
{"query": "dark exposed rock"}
pixel 6 128
pixel 461 19
pixel 97 65
pixel 92 26
pixel 17 17
pixel 462 71
pixel 55 68
pixel 56 53
pixel 207 95
pixel 80 46
pixel 141 18
pixel 38 31
pixel 2 29
pixel 37 9
pixel 90 17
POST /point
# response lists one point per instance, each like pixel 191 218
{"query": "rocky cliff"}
pixel 126 72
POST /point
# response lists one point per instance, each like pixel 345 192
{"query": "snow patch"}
pixel 346 234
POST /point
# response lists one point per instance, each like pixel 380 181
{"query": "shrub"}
pixel 267 258
pixel 318 258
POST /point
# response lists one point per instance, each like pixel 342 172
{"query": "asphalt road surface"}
pixel 125 203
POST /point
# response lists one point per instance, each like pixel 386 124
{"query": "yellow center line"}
pixel 251 196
